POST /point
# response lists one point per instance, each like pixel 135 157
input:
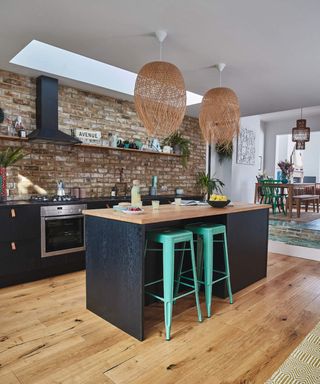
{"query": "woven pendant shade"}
pixel 160 97
pixel 219 116
pixel 301 132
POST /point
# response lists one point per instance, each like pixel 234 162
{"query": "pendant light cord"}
pixel 220 72
pixel 160 53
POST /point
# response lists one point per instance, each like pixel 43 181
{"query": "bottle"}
pixel 114 191
pixel 135 194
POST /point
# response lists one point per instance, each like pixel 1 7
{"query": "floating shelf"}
pixel 13 138
pixel 16 138
pixel 127 150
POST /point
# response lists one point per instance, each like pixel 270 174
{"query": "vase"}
pixel 3 183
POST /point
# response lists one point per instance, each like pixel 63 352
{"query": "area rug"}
pixel 303 365
pixel 305 217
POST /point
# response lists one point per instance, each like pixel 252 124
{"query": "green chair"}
pixel 273 195
pixel 206 238
pixel 168 239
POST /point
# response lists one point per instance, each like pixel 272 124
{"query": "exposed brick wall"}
pixel 95 169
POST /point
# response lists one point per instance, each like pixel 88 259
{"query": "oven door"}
pixel 62 234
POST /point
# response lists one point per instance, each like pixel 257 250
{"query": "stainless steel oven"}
pixel 62 229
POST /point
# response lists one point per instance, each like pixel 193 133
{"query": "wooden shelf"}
pixel 17 138
pixel 13 138
pixel 127 150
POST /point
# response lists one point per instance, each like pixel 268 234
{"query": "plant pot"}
pixel 3 183
pixel 177 149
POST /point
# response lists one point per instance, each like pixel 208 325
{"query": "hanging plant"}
pixel 224 151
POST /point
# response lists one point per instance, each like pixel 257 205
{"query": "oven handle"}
pixel 48 218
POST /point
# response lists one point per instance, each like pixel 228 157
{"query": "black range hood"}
pixel 47 114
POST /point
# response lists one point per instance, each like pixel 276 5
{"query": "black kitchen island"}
pixel 115 265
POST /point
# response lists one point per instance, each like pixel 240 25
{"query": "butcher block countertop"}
pixel 168 212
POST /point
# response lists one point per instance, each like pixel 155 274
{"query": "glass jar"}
pixel 135 193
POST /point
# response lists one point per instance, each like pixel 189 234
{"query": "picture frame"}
pixel 246 146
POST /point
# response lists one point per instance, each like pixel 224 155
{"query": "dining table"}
pixel 286 188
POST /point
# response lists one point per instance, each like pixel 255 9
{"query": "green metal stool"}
pixel 169 239
pixel 205 238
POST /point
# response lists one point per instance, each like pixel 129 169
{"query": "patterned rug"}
pixel 305 217
pixel 303 365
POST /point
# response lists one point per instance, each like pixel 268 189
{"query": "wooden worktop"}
pixel 167 212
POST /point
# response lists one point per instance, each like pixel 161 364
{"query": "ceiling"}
pixel 271 48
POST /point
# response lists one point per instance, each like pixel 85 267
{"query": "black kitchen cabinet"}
pixel 19 255
pixel 19 222
pixel 20 240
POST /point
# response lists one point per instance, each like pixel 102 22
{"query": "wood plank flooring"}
pixel 47 335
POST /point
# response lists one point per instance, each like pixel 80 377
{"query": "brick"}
pixel 95 169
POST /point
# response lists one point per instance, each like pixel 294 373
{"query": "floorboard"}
pixel 47 335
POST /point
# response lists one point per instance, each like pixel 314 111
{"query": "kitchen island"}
pixel 116 268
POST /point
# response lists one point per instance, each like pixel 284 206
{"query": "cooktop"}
pixel 53 198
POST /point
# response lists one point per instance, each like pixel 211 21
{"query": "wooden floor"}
pixel 47 335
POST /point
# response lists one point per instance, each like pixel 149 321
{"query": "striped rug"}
pixel 303 365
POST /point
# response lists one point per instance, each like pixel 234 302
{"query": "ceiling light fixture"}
pixel 301 133
pixel 160 95
pixel 219 116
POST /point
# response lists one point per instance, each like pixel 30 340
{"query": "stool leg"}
pixel 208 267
pixel 199 257
pixel 176 291
pixel 168 277
pixel 196 286
pixel 226 262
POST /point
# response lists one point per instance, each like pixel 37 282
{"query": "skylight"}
pixel 47 58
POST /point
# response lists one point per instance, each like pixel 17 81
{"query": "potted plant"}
pixel 287 169
pixel 224 151
pixel 7 157
pixel 180 146
pixel 208 185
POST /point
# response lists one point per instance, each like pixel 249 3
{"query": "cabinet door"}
pixel 19 256
pixel 19 222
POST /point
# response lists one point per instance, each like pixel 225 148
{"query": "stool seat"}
pixel 169 238
pixel 176 235
pixel 214 229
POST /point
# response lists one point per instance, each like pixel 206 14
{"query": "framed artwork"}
pixel 246 147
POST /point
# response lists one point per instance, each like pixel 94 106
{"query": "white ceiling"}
pixel 271 47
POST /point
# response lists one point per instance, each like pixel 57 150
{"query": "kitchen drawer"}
pixel 19 223
pixel 19 255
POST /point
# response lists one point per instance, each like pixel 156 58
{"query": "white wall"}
pixel 244 176
pixel 240 178
pixel 281 127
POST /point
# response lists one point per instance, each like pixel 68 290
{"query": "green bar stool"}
pixel 205 236
pixel 168 239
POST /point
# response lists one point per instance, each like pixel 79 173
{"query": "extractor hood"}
pixel 47 114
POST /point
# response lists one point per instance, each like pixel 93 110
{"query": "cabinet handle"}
pixel 13 246
pixel 13 212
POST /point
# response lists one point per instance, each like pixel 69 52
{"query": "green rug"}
pixel 303 365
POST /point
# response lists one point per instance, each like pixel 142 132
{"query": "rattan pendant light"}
pixel 301 133
pixel 219 116
pixel 160 95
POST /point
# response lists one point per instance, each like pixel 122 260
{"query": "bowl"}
pixel 218 203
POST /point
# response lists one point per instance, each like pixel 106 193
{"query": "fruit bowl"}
pixel 218 203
